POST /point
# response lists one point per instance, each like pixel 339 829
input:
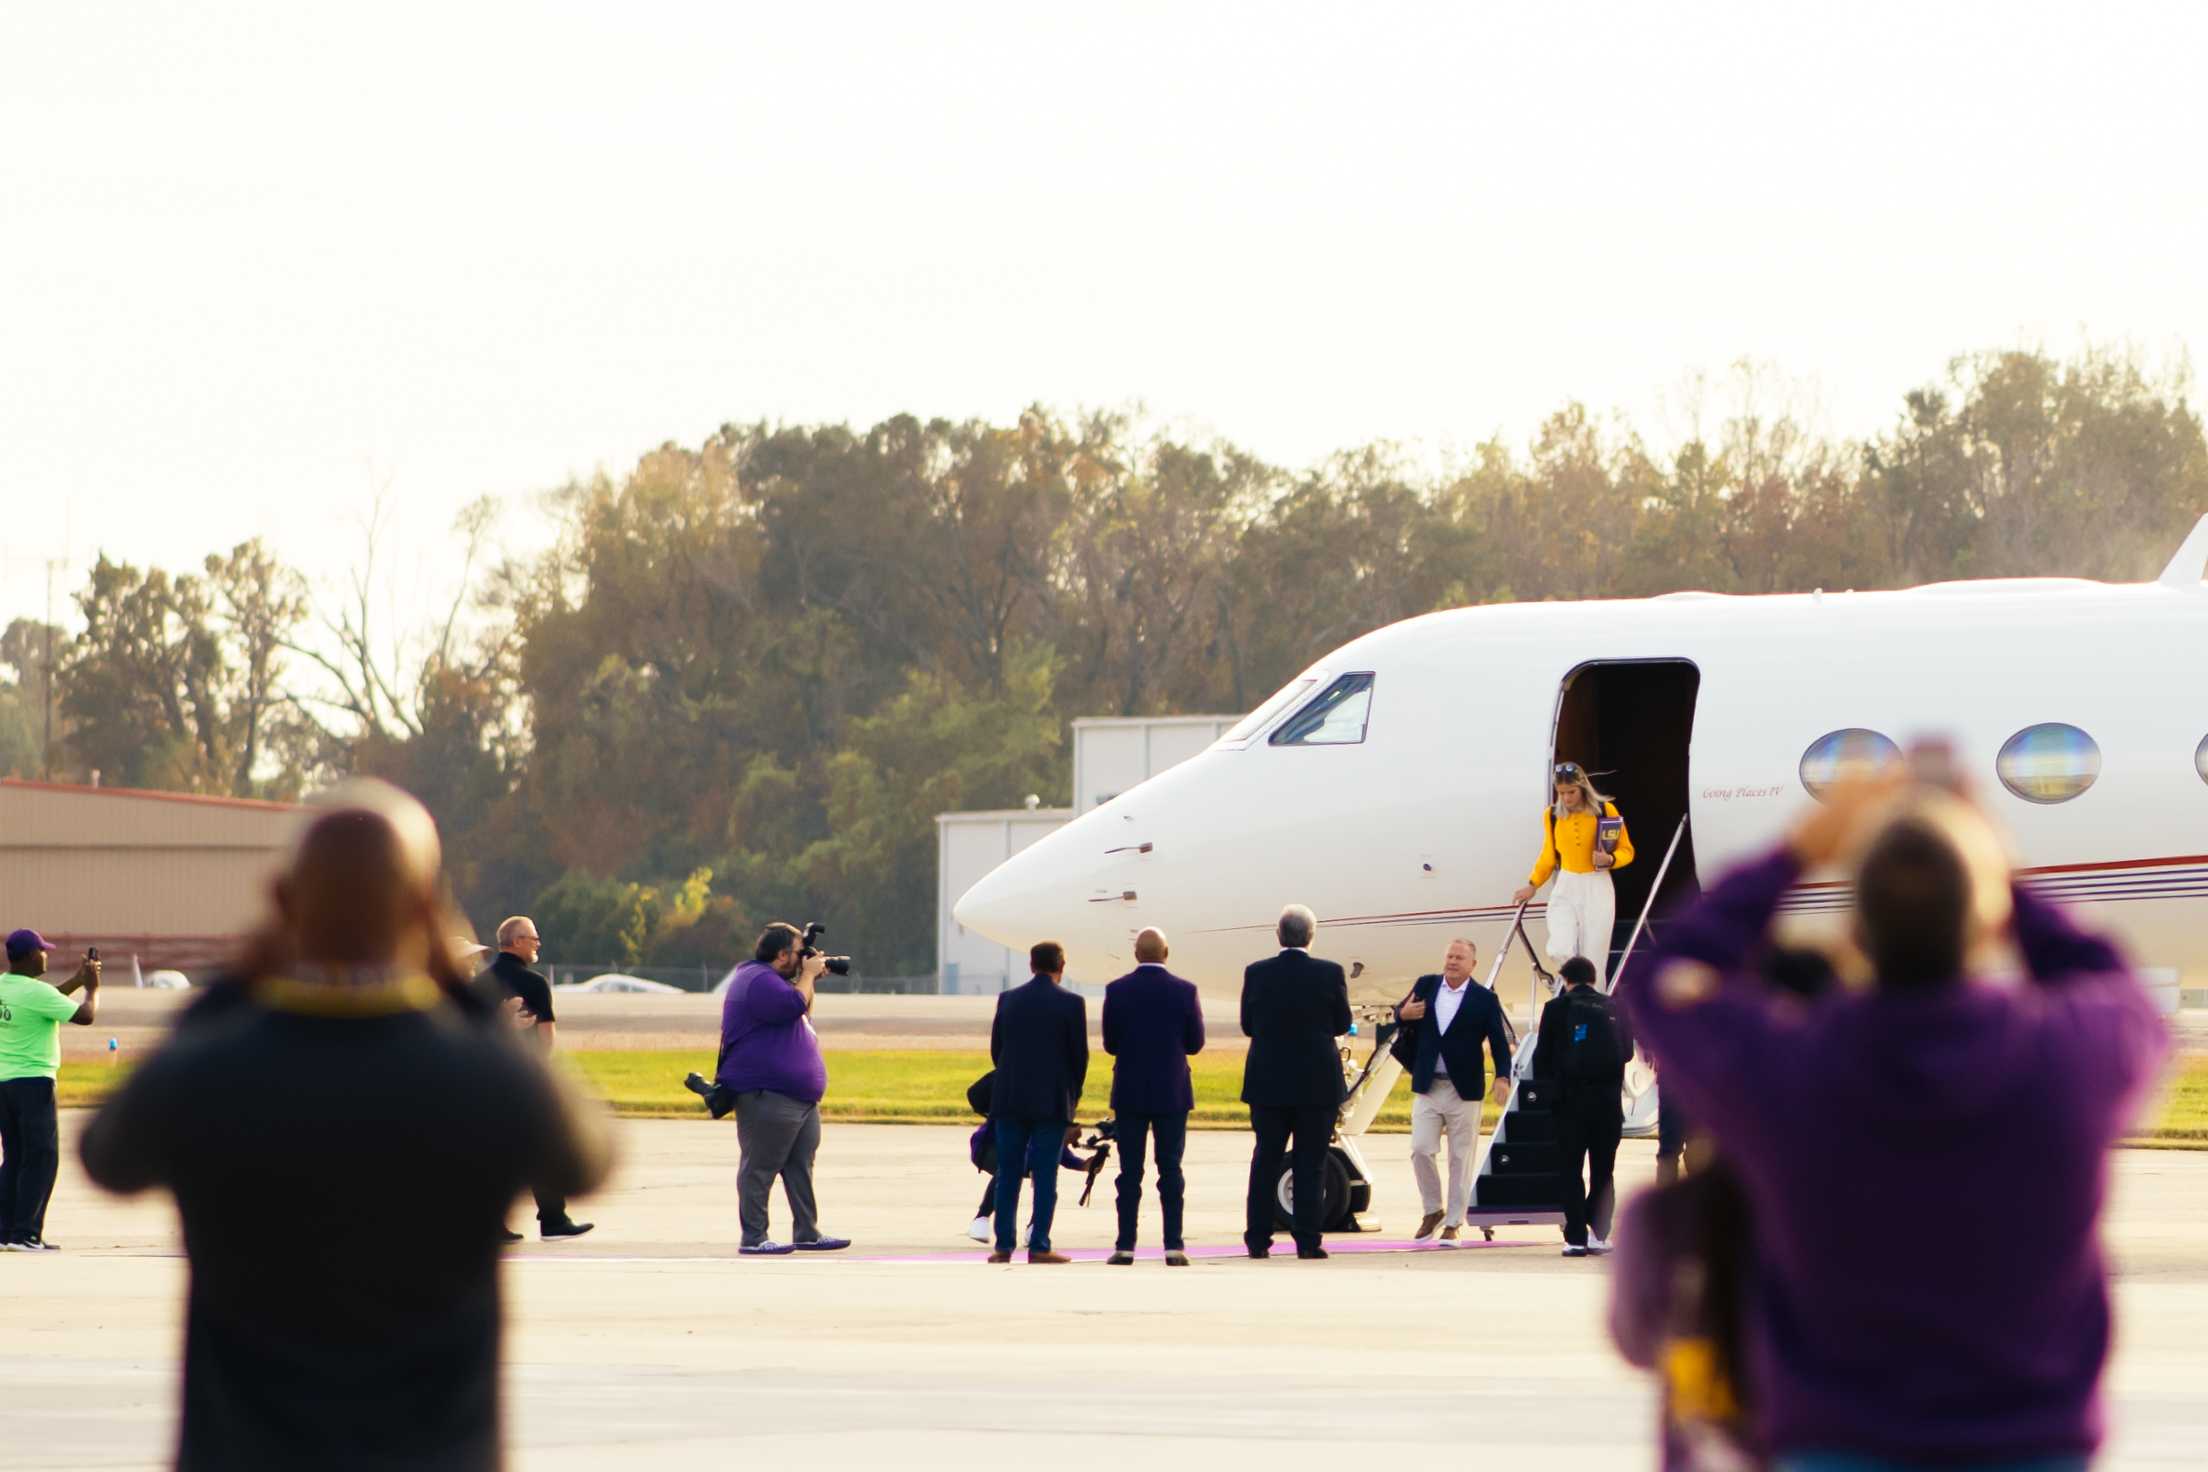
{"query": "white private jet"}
pixel 1396 786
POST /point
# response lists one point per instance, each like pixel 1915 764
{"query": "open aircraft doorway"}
pixel 1630 724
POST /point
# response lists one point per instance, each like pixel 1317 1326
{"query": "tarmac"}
pixel 650 1343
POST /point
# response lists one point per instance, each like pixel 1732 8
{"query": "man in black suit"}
pixel 1293 1008
pixel 1153 1021
pixel 1581 1050
pixel 1040 1045
pixel 1444 1023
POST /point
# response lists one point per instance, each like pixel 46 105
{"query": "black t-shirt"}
pixel 509 976
pixel 343 1181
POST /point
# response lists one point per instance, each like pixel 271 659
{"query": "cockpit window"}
pixel 1336 716
pixel 1257 720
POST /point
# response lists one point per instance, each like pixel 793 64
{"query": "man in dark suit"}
pixel 1293 1008
pixel 1040 1045
pixel 1153 1021
pixel 1581 1051
pixel 1444 1023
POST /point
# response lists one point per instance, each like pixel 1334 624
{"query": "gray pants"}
pixel 777 1136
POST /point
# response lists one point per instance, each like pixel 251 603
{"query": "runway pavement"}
pixel 651 1344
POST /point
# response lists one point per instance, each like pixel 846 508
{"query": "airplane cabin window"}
pixel 1258 719
pixel 1853 751
pixel 2200 759
pixel 2049 764
pixel 1336 716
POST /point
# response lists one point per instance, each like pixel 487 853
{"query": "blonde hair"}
pixel 1596 801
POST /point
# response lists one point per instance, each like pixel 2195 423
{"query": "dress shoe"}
pixel 1176 1259
pixel 508 1236
pixel 1000 1257
pixel 1426 1226
pixel 1260 1253
pixel 1312 1254
pixel 1121 1260
pixel 1046 1257
pixel 562 1231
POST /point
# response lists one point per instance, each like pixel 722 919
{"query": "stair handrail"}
pixel 1617 972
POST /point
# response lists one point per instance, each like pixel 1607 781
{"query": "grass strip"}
pixel 918 1086
pixel 928 1086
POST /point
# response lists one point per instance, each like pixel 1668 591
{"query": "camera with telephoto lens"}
pixel 836 965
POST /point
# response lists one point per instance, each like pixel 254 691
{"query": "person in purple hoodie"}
pixel 1984 1111
pixel 772 1069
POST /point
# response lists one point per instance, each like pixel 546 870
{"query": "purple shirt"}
pixel 766 1040
pixel 1925 1175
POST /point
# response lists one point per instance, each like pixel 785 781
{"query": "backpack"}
pixel 1591 1050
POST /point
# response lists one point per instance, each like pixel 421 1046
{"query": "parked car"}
pixel 614 981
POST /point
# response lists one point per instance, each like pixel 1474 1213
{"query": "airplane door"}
pixel 1630 724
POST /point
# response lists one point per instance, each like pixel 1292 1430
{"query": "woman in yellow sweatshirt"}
pixel 1583 907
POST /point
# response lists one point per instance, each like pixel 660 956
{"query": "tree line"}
pixel 751 671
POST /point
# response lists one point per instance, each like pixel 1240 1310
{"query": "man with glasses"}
pixel 511 981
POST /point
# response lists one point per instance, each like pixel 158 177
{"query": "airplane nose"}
pixel 1006 903
pixel 1056 889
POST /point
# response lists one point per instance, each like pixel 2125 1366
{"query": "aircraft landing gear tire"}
pixel 1334 1215
pixel 1488 1233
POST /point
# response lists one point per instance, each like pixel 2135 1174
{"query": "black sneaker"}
pixel 562 1231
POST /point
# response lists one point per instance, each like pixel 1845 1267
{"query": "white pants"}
pixel 1439 1108
pixel 1582 909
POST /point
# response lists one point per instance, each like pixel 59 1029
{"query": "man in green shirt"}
pixel 31 1015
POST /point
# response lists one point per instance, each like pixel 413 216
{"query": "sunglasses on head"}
pixel 1568 772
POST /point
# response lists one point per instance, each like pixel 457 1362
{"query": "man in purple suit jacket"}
pixel 1153 1021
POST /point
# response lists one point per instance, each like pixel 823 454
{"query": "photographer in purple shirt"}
pixel 772 1069
pixel 1981 1112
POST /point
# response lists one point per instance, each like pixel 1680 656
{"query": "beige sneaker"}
pixel 1449 1234
pixel 1426 1226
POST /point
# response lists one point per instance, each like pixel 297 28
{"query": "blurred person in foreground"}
pixel 511 981
pixel 772 1070
pixel 1153 1024
pixel 1684 1269
pixel 1039 1041
pixel 31 1014
pixel 1984 1110
pixel 344 1131
pixel 1293 1008
pixel 1581 1052
pixel 1445 1021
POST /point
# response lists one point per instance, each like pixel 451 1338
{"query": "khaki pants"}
pixel 1442 1108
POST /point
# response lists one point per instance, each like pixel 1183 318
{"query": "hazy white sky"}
pixel 259 258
